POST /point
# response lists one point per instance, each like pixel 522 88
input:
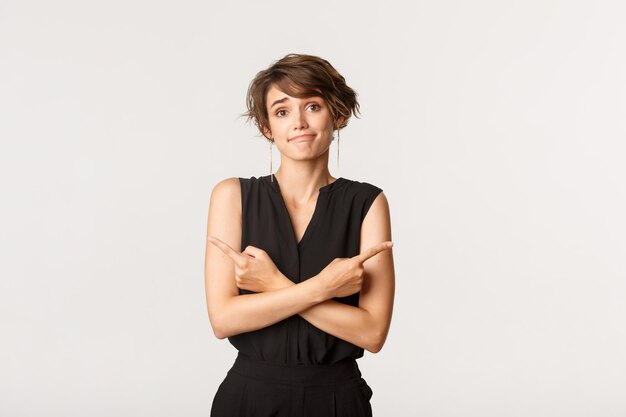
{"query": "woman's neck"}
pixel 302 185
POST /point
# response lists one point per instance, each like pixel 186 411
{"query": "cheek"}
pixel 275 124
pixel 322 119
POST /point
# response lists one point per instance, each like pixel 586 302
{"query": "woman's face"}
pixel 302 128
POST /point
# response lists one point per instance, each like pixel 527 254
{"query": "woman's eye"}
pixel 281 113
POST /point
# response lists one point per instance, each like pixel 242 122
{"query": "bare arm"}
pixel 231 313
pixel 227 270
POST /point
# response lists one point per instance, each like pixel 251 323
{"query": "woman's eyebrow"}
pixel 279 101
pixel 282 100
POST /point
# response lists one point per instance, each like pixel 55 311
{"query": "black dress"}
pixel 316 372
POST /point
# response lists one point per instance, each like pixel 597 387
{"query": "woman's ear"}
pixel 339 122
pixel 267 133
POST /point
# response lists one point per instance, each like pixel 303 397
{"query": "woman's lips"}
pixel 301 138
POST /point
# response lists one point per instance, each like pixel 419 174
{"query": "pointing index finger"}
pixel 372 251
pixel 224 247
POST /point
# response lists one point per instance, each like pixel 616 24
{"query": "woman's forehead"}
pixel 274 93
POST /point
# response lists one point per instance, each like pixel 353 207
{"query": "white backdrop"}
pixel 495 128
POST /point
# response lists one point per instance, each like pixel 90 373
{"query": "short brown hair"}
pixel 301 76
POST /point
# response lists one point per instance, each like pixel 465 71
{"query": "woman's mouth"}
pixel 301 138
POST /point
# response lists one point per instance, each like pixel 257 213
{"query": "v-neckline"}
pixel 312 221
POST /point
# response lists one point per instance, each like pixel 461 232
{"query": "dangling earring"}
pixel 337 148
pixel 271 147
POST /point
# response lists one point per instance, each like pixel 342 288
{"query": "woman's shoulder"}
pixel 227 189
pixel 364 187
pixel 226 184
pixel 363 196
pixel 235 186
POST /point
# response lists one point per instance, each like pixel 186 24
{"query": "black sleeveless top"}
pixel 333 232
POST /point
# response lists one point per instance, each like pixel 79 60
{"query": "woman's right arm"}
pixel 231 313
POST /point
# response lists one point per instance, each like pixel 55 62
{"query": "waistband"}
pixel 298 374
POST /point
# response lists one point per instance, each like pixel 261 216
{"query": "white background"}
pixel 495 128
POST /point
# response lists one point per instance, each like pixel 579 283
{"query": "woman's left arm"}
pixel 368 324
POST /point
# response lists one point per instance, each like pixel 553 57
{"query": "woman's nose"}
pixel 300 120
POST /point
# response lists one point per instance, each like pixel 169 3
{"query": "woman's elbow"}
pixel 219 334
pixel 219 330
pixel 376 342
pixel 375 347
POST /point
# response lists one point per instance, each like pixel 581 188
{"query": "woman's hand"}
pixel 254 269
pixel 344 276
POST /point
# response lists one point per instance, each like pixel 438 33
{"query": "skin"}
pixel 303 170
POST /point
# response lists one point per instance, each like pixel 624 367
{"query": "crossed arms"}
pixel 226 270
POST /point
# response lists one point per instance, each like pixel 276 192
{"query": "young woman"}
pixel 299 272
